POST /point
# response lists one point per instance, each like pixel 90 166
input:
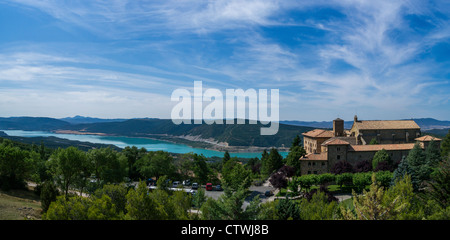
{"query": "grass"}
pixel 19 205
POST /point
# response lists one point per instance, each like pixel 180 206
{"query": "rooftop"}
pixel 427 138
pixel 348 140
pixel 319 133
pixel 378 147
pixel 385 124
pixel 315 157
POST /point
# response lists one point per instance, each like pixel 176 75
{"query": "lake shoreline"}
pixel 192 141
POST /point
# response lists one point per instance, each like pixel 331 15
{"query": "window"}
pixel 309 172
pixel 338 157
pixel 323 164
pixel 315 172
pixel 309 163
pixel 314 164
pixel 339 149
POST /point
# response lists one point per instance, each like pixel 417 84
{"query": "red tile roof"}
pixel 315 157
pixel 319 133
pixel 427 138
pixel 378 147
pixel 386 124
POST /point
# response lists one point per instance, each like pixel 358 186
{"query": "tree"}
pixel 200 168
pixel 66 166
pixel 438 188
pixel 49 193
pixel 292 159
pixel 199 198
pixel 229 206
pixel 342 167
pixel 237 177
pixel 363 166
pixel 141 206
pixel 373 141
pixel 117 194
pixel 133 154
pixel 417 164
pixel 278 180
pixel 14 166
pixel 433 155
pixel 317 207
pixel 445 145
pixel 273 162
pixel 156 164
pixel 377 204
pixel 287 209
pixel 381 156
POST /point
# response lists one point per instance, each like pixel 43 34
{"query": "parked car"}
pixel 219 188
pixel 195 186
pixel 268 193
pixel 175 184
pixel 209 187
pixel 187 182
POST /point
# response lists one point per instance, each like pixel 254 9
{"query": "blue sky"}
pixel 123 59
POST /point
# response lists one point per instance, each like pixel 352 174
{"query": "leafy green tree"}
pixel 108 165
pixel 273 162
pixel 68 208
pixel 102 209
pixel 142 206
pixel 381 156
pixel 373 141
pixel 14 166
pixel 199 198
pixel 133 154
pixel 49 193
pixel 268 211
pixel 445 145
pixel 307 181
pixel 292 159
pixel 288 210
pixel 318 208
pixel 360 180
pixel 376 204
pixel 238 177
pixel 200 168
pixel 156 164
pixel 344 179
pixel 117 195
pixel 417 164
pixel 438 188
pixel 66 167
pixel 229 206
pixel 433 154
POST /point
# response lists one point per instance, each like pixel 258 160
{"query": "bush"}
pixel 360 180
pixel 344 179
pixel 306 181
pixel 326 178
pixel 49 192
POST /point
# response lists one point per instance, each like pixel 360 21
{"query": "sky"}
pixel 124 58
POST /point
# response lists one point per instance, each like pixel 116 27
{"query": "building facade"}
pixel 396 137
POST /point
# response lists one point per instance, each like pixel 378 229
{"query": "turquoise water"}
pixel 149 144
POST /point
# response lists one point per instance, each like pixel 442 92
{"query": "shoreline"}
pixel 207 144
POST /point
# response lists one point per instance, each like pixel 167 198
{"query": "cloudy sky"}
pixel 123 59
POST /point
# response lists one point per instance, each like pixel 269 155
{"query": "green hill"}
pixel 233 134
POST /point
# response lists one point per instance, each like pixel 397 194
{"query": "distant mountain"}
pixel 80 120
pixel 424 123
pixel 31 123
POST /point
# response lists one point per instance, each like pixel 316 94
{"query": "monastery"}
pixel 325 148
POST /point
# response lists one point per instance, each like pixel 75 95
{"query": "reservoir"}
pixel 122 142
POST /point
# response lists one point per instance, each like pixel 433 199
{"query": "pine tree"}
pixel 420 171
pixel 295 153
pixel 445 145
pixel 432 154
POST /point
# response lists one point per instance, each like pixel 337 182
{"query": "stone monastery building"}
pixel 325 148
